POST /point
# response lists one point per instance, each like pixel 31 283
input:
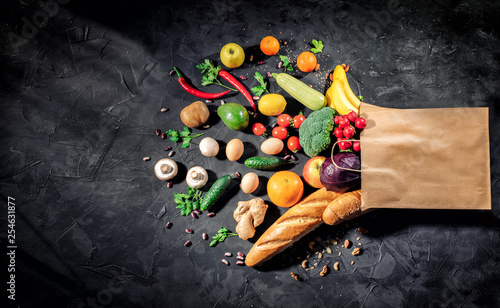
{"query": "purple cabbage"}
pixel 338 180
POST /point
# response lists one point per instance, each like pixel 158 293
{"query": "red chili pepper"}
pixel 240 87
pixel 184 84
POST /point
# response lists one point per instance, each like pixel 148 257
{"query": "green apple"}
pixel 232 55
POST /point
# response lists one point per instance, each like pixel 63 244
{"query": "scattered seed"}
pixel 189 231
pixel 336 266
pixel 287 157
pixel 239 262
pixel 284 42
pixel 304 264
pixel 280 65
pixel 222 102
pixel 352 262
pixel 261 62
pixel 269 75
pixel 146 158
pixel 356 251
pixel 208 101
pixel 296 276
pixel 347 244
pixel 163 136
pixel 240 254
pixel 204 236
pixel 194 215
pixel 237 174
pixel 206 126
pixel 340 253
pixel 164 109
pixel 211 214
pixel 171 154
pixel 228 254
pixel 256 98
pixel 243 77
pixel 169 225
pixel 311 245
pixel 168 148
pixel 320 255
pixel 324 271
pixel 187 244
pixel 250 58
pixel 225 262
pixel 316 67
pixel 172 72
pixel 329 250
pixel 310 85
pixel 170 184
pixel 158 132
pixel 240 258
pixel 198 212
pixel 293 157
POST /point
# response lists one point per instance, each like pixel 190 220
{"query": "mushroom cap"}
pixel 196 177
pixel 166 169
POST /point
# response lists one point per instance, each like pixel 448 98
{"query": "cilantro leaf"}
pixel 318 46
pixel 186 141
pixel 259 90
pixel 188 202
pixel 185 135
pixel 286 63
pixel 210 73
pixel 221 235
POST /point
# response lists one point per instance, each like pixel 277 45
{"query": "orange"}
pixel 285 188
pixel 269 45
pixel 307 61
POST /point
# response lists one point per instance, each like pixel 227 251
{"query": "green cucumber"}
pixel 215 192
pixel 265 162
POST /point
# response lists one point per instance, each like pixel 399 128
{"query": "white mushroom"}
pixel 196 177
pixel 209 147
pixel 166 169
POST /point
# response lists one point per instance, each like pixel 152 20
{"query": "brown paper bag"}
pixel 425 158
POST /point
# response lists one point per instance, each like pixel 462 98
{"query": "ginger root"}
pixel 249 214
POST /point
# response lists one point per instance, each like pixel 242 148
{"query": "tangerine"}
pixel 270 45
pixel 306 61
pixel 285 188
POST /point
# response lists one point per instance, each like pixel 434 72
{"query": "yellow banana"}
pixel 337 99
pixel 339 73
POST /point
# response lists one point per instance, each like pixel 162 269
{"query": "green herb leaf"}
pixel 188 202
pixel 186 141
pixel 259 90
pixel 185 135
pixel 221 235
pixel 286 64
pixel 318 46
pixel 210 74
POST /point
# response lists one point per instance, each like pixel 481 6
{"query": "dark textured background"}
pixel 80 99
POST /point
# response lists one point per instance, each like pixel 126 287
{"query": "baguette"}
pixel 299 220
pixel 345 207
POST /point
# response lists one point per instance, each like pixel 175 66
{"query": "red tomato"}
pixel 360 123
pixel 337 119
pixel 338 132
pixel 352 116
pixel 356 146
pixel 297 120
pixel 284 120
pixel 344 145
pixel 280 132
pixel 344 122
pixel 348 132
pixel 293 144
pixel 259 129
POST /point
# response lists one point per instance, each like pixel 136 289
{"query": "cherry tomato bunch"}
pixel 284 121
pixel 347 128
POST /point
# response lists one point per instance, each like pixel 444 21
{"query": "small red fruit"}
pixel 344 145
pixel 293 144
pixel 360 123
pixel 284 120
pixel 337 119
pixel 280 132
pixel 348 132
pixel 297 120
pixel 338 132
pixel 352 116
pixel 344 122
pixel 259 129
pixel 356 146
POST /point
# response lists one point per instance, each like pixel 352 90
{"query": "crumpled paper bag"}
pixel 435 158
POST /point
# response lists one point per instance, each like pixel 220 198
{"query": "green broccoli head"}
pixel 316 131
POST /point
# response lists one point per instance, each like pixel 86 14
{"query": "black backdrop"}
pixel 82 84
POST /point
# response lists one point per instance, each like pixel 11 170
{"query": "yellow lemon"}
pixel 272 104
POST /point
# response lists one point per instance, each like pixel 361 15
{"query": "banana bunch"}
pixel 340 95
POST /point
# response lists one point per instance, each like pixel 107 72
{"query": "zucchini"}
pixel 265 162
pixel 307 96
pixel 215 192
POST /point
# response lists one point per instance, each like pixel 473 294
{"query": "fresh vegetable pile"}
pixel 325 120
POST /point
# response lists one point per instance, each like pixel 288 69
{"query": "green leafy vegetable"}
pixel 287 67
pixel 221 235
pixel 185 135
pixel 211 72
pixel 259 90
pixel 188 202
pixel 318 46
pixel 360 97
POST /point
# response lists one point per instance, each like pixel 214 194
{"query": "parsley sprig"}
pixel 318 46
pixel 188 202
pixel 185 135
pixel 211 72
pixel 221 235
pixel 259 90
pixel 287 67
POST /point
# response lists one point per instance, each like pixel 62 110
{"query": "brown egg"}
pixel 272 146
pixel 234 149
pixel 249 183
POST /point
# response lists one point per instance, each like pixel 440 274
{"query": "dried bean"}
pixel 237 174
pixel 225 262
pixel 193 214
pixel 146 158
pixel 169 225
pixel 171 154
pixel 287 157
pixel 240 254
pixel 163 136
pixel 168 148
pixel 158 132
pixel 269 75
pixel 293 157
pixel 280 65
pixel 204 236
pixel 228 254
pixel 261 62
pixel 239 262
pixel 170 184
pixel 211 214
pixel 256 98
pixel 164 109
pixel 187 244
pixel 243 77
pixel 240 258
pixel 198 212
pixel 189 231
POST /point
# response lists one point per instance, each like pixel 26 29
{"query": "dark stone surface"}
pixel 80 97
